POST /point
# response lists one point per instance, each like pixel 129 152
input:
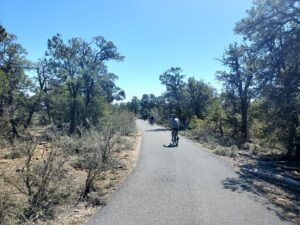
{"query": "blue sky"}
pixel 153 35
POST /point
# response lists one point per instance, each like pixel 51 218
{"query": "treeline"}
pixel 70 84
pixel 260 99
pixel 185 99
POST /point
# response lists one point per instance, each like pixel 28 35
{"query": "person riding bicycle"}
pixel 151 119
pixel 174 124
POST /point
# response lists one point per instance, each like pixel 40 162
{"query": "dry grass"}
pixel 69 210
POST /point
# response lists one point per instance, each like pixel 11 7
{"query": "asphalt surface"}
pixel 185 185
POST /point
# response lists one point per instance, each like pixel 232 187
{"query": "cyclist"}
pixel 151 120
pixel 174 124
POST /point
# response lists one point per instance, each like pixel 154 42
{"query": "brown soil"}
pixel 74 212
pixel 110 182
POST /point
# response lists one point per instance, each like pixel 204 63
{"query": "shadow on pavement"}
pixel 240 185
pixel 157 130
pixel 170 146
pixel 285 203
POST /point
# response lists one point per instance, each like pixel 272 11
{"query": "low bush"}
pixel 227 151
pixel 18 150
pixel 11 211
pixel 70 145
pixel 3 142
pixel 40 181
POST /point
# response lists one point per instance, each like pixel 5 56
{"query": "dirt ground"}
pixel 111 181
pixel 78 213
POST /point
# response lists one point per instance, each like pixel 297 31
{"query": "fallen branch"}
pixel 275 178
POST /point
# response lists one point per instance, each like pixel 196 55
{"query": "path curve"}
pixel 183 186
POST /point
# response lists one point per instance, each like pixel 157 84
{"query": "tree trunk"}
pixel 11 101
pixel 48 110
pixel 28 120
pixel 292 144
pixel 14 129
pixel 244 112
pixel 221 128
pixel 298 149
pixel 73 114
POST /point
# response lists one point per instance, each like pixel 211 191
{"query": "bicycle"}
pixel 175 137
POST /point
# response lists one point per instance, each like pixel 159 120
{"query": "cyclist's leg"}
pixel 173 136
pixel 176 137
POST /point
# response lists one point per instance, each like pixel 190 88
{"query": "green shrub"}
pixel 197 124
pixel 227 151
pixel 70 144
pixel 3 142
pixel 18 150
pixel 11 211
pixel 120 121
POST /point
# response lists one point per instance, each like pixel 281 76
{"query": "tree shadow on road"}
pixel 157 130
pixel 285 203
pixel 240 185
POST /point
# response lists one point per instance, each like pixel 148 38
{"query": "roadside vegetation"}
pixel 64 144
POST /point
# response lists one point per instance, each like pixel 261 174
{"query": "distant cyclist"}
pixel 174 124
pixel 151 120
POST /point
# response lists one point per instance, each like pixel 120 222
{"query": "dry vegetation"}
pixel 49 178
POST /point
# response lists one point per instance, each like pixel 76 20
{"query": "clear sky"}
pixel 153 35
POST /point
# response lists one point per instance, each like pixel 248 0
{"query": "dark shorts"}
pixel 174 130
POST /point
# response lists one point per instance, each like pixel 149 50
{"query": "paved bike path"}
pixel 183 186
